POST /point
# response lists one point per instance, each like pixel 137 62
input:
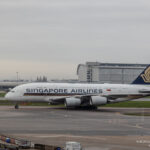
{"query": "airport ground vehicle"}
pixel 73 146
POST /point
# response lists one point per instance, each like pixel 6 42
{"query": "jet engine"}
pixel 98 100
pixel 72 102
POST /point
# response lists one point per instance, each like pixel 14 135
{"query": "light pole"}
pixel 17 76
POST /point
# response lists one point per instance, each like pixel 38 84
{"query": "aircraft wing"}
pixel 113 97
pixel 61 99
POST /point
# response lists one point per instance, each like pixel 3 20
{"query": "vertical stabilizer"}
pixel 144 77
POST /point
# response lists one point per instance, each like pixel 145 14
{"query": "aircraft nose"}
pixel 8 96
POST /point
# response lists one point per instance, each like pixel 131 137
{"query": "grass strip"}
pixel 9 103
pixel 130 104
pixel 2 94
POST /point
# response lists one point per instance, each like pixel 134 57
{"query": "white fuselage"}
pixel 56 91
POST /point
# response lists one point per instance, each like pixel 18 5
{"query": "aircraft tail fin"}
pixel 144 77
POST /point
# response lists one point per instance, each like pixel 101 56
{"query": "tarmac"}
pixel 102 129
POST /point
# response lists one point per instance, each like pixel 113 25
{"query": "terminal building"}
pixel 96 72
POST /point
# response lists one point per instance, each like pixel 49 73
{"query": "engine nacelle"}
pixel 72 102
pixel 98 100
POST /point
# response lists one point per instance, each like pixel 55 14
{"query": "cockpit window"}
pixel 12 91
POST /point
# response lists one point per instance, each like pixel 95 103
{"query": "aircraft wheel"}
pixel 66 105
pixel 94 107
pixel 16 106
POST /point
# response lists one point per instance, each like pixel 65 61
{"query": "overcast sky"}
pixel 51 37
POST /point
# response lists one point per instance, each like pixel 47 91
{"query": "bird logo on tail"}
pixel 146 75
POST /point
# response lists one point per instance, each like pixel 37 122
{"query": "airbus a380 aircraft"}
pixel 74 95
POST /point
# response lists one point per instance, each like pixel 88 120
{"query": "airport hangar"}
pixel 96 72
pixel 5 86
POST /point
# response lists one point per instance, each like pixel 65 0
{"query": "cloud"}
pixel 30 70
pixel 70 32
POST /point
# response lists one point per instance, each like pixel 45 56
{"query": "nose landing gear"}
pixel 16 106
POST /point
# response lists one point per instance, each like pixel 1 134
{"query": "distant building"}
pixel 7 84
pixel 64 81
pixel 97 72
pixel 41 79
